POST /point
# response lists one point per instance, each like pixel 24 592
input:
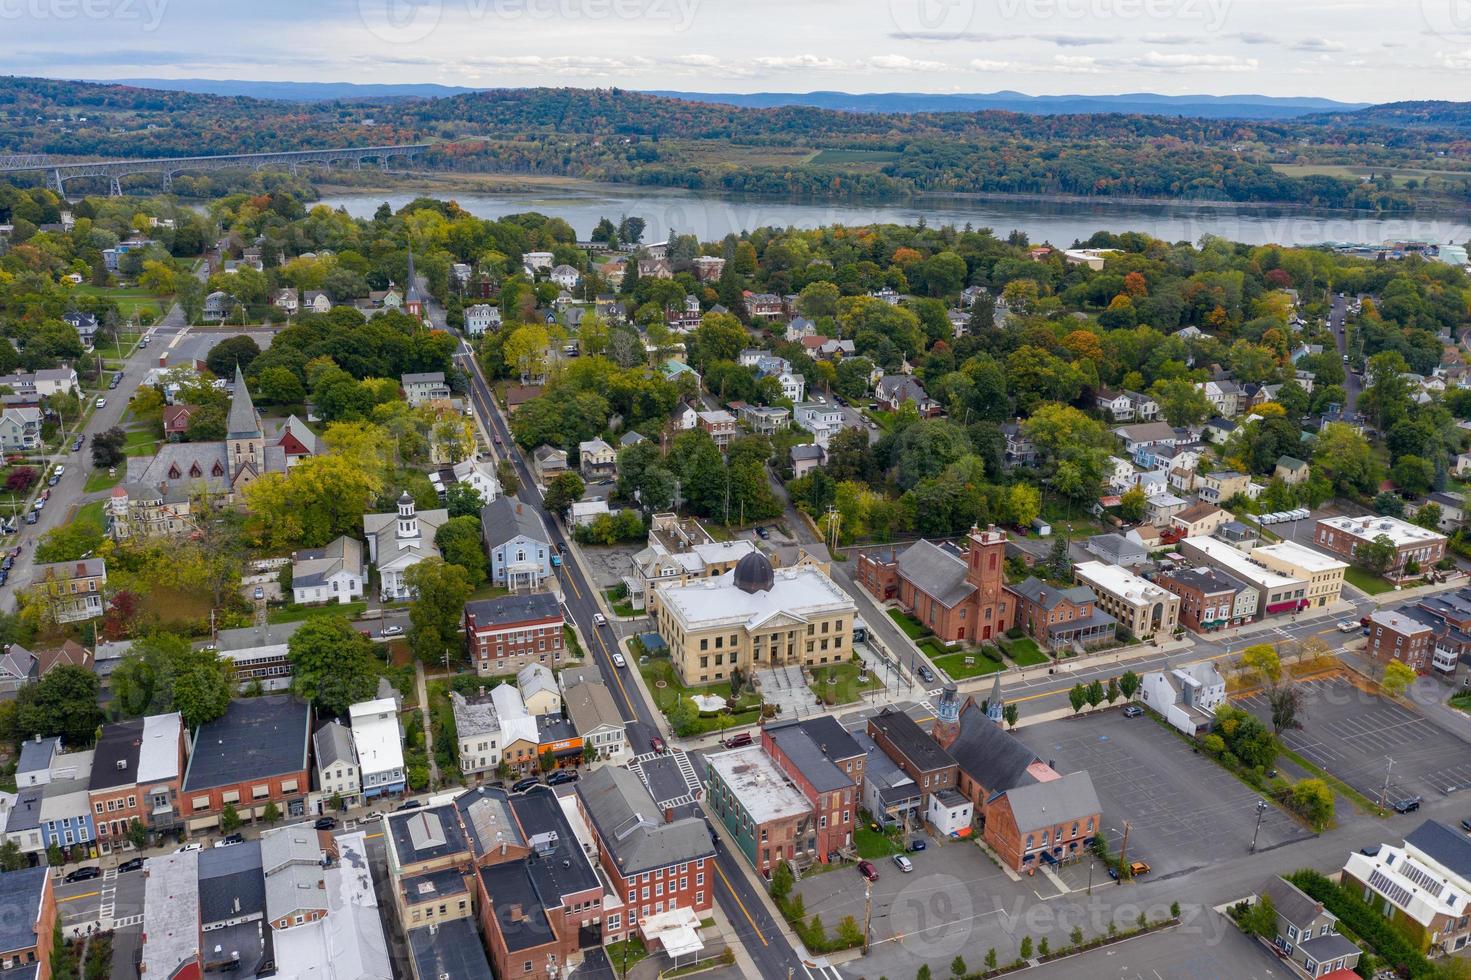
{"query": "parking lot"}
pixel 1184 812
pixel 1352 734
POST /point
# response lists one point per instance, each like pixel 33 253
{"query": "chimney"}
pixel 669 814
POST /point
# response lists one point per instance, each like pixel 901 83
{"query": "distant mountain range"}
pixel 1140 103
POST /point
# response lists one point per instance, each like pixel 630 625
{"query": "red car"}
pixel 868 871
pixel 657 744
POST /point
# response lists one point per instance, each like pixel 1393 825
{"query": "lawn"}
pixel 666 688
pixel 1461 702
pixel 932 647
pixel 625 954
pixel 874 844
pixel 91 514
pixel 1024 652
pixel 293 613
pixel 129 300
pixel 955 666
pixel 140 442
pixel 847 687
pixel 912 627
pixel 618 602
pixel 1366 581
pixel 99 480
pixel 489 592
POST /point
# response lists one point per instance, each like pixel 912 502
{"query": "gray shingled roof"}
pixel 629 823
pixel 935 572
pixel 20 900
pixel 506 518
pixel 227 874
pixel 333 743
pixel 1039 593
pixel 1037 805
pixel 988 754
pixel 1448 848
pixel 1290 903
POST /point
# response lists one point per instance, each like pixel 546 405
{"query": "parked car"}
pixel 599 619
pixel 229 840
pixel 1407 805
pixel 904 863
pixel 77 443
pixel 561 777
pixel 619 660
pixel 1137 868
pixel 522 785
pixel 84 874
pixel 925 674
pixel 917 844
pixel 186 848
pixel 1347 626
pixel 101 402
pixel 325 823
pixel 657 744
pixel 132 864
pixel 408 805
pixel 1466 825
pixel 391 631
pixel 762 533
pixel 868 871
pixel 739 740
pixel 1133 711
pixel 31 517
pixel 53 480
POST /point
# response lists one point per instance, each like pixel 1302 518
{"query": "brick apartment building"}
pixel 1207 597
pixel 1341 535
pixel 654 862
pixel 916 752
pixel 957 593
pixel 1396 636
pixel 27 921
pixel 770 820
pixel 721 425
pixel 137 769
pixel 827 766
pixel 505 634
pixel 1059 617
pixel 253 755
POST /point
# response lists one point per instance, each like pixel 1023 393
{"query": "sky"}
pixel 1353 50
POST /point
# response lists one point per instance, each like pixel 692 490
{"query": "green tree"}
pixel 229 353
pixel 440 592
pixel 11 856
pixel 564 490
pixel 271 815
pixel 1343 457
pixel 1314 801
pixel 332 664
pixel 957 966
pixel 1077 697
pixel 1263 661
pixel 1128 684
pixel 1377 555
pixel 137 834
pixel 1026 948
pixel 458 539
pixel 1011 713
pixel 1095 694
pixel 505 475
pixel 229 819
pixel 991 958
pixel 63 703
pixel 1133 504
pixel 782 881
pixel 1260 918
pixel 1112 694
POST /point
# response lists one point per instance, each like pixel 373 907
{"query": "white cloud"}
pixel 1317 44
pixel 898 62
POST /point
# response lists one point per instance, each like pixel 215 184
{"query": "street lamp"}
pixel 1261 809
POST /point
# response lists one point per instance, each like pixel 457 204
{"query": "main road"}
pixel 764 938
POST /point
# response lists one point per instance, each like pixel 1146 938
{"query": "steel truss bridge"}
pixel 58 172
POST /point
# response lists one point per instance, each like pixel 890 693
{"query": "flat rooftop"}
pixel 762 789
pixel 1308 559
pixel 170 913
pixel 1398 621
pixel 253 739
pixel 449 951
pixel 1402 533
pixel 425 834
pixel 714 602
pixel 1120 582
pixel 1237 563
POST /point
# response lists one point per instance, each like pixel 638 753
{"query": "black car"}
pixel 77 443
pixel 84 874
pixel 53 480
pixel 231 839
pixel 1466 825
pixel 410 805
pixel 925 674
pixel 1408 805
pixel 132 864
pixel 522 785
pixel 562 776
pixel 326 823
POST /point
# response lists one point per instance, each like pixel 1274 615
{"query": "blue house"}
pixel 517 542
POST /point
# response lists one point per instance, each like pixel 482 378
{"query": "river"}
pixel 711 217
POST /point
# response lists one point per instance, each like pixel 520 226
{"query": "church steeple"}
pixel 996 704
pixel 243 421
pixel 413 299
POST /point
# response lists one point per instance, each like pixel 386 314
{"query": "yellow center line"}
pixel 73 898
pixel 627 703
pixel 744 911
pixel 371 836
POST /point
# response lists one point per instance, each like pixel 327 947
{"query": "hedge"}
pixel 1366 923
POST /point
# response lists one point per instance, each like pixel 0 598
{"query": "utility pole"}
pixel 1384 796
pixel 1123 854
pixel 867 913
pixel 1261 808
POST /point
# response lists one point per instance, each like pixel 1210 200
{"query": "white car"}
pixel 904 863
pixel 618 660
pixel 101 402
pixel 188 847
pixel 600 619
pixel 1347 626
pixel 391 631
pixel 59 470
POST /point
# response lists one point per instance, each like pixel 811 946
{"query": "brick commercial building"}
pixel 654 862
pixel 1396 636
pixel 914 750
pixel 1060 617
pixel 769 818
pixel 827 766
pixel 957 593
pixel 1276 593
pixel 1029 813
pixel 252 756
pixel 136 772
pixel 1341 535
pixel 27 921
pixel 1207 597
pixel 505 634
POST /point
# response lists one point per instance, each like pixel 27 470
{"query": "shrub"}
pixel 1364 922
